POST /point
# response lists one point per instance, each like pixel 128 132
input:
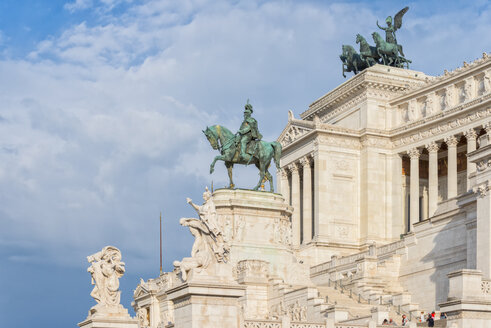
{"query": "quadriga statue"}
pixel 106 268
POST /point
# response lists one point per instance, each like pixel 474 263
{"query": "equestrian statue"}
pixel 245 147
pixel 385 52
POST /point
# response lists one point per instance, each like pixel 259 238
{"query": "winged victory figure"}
pixel 392 26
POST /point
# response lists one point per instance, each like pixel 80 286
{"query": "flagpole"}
pixel 160 242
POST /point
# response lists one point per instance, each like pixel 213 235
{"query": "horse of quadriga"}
pixel 367 52
pixel 389 52
pixel 352 61
pixel 223 140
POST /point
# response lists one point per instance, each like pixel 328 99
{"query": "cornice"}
pixel 435 83
pixel 374 78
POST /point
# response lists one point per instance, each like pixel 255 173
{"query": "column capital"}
pixel 432 147
pixel 305 161
pixel 451 141
pixel 284 172
pixel 482 189
pixel 414 153
pixel 293 168
pixel 470 134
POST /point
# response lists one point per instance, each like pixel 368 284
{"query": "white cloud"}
pixel 101 125
pixel 78 5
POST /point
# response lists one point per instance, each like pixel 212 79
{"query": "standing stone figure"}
pixel 248 131
pixel 486 81
pixel 106 268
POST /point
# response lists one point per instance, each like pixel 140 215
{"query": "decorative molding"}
pixel 293 167
pixel 483 165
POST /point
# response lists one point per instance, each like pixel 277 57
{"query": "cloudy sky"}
pixel 102 103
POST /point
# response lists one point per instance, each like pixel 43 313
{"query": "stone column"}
pixel 414 187
pixel 307 199
pixel 296 204
pixel 470 136
pixel 432 178
pixel 284 185
pixel 482 187
pixel 452 166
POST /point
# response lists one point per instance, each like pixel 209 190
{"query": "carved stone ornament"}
pixel 432 147
pixel 483 165
pixel 414 153
pixel 482 189
pixel 451 141
pixel 470 134
pixel 305 161
pixel 141 315
pixel 105 269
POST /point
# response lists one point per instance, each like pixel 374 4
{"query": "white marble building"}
pixel 384 210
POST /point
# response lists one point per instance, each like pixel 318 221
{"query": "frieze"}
pixel 380 142
pixel 444 127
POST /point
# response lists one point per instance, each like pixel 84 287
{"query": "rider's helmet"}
pixel 248 107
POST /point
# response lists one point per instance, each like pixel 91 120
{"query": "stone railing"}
pixel 262 324
pixel 287 324
pixel 390 248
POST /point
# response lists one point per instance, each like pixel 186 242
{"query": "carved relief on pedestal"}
pixel 282 231
pixel 297 312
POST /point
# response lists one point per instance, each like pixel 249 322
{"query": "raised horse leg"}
pixel 212 165
pixel 230 166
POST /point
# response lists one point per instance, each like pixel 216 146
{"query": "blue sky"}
pixel 103 103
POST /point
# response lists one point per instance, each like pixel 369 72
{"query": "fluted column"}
pixel 432 178
pixel 470 136
pixel 414 187
pixel 452 166
pixel 284 185
pixel 307 199
pixel 295 203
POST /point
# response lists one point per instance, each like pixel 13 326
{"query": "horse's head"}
pixel 376 37
pixel 212 138
pixel 359 38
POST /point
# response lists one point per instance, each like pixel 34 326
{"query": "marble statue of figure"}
pixel 106 268
pixel 448 98
pixel 201 253
pixel 429 105
pixel 467 91
pixel 209 245
pixel 208 215
pixel 486 80
pixel 207 212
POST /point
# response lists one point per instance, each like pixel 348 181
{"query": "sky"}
pixel 103 103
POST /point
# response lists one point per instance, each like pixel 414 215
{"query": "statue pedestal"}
pixel 109 317
pixel 206 305
pixel 257 226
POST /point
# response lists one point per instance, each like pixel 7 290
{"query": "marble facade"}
pixel 384 209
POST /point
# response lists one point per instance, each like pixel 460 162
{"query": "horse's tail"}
pixel 277 153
